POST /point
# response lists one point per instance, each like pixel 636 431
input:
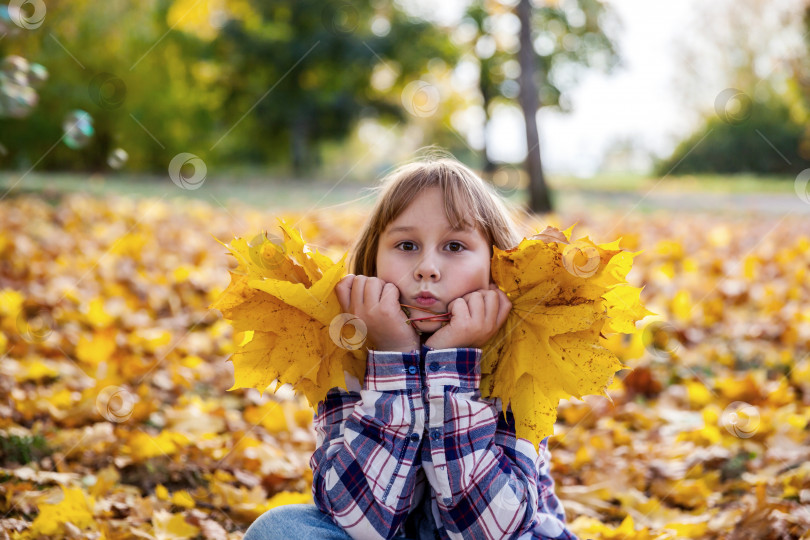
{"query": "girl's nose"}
pixel 426 268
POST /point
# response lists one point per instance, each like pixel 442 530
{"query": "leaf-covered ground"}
pixel 116 422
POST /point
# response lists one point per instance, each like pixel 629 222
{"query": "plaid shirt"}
pixel 416 451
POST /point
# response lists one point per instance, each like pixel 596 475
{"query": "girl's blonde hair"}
pixel 468 200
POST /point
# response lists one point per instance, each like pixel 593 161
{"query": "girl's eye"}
pixel 406 243
pixel 460 247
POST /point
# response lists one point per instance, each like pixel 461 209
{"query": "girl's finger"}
pixel 491 303
pixel 390 296
pixel 504 307
pixel 469 295
pixel 373 291
pixel 343 290
pixel 357 293
pixel 477 307
pixel 458 310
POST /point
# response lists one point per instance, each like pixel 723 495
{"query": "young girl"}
pixel 414 451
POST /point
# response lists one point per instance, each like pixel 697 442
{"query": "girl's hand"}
pixel 474 319
pixel 376 303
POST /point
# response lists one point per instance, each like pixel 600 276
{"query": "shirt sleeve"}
pixel 488 482
pixel 364 467
pixel 550 519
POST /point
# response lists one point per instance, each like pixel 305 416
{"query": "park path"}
pixel 685 201
pixel 304 195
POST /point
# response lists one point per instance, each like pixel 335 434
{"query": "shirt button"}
pixel 412 370
pixel 415 437
pixel 434 366
pixel 436 435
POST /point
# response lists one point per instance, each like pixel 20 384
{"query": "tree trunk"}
pixel 488 166
pixel 300 145
pixel 539 200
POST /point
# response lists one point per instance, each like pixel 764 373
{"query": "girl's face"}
pixel 419 252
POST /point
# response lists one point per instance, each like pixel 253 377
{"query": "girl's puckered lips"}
pixel 425 299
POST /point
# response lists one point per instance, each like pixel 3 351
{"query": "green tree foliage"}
pixel 120 63
pixel 232 81
pixel 318 58
pixel 758 123
pixel 760 137
pixel 571 36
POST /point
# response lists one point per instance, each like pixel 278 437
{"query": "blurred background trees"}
pixel 759 123
pixel 312 88
pixel 323 67
pixel 280 83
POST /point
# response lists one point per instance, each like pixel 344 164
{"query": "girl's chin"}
pixel 428 326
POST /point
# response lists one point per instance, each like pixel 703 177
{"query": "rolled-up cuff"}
pixel 453 367
pixel 392 370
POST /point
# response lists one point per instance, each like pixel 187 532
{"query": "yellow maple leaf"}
pixel 75 508
pixel 589 527
pixel 284 498
pixel 282 296
pixel 167 526
pixel 182 498
pixel 11 302
pixel 161 492
pixel 98 348
pixel 565 296
pixel 142 446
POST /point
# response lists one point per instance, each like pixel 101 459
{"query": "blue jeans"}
pixel 297 521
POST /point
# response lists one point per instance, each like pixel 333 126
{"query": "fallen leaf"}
pixel 75 508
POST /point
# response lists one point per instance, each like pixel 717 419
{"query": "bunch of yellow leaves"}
pixel 565 297
pixel 282 298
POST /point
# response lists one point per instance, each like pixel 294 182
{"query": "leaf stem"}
pixel 435 317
